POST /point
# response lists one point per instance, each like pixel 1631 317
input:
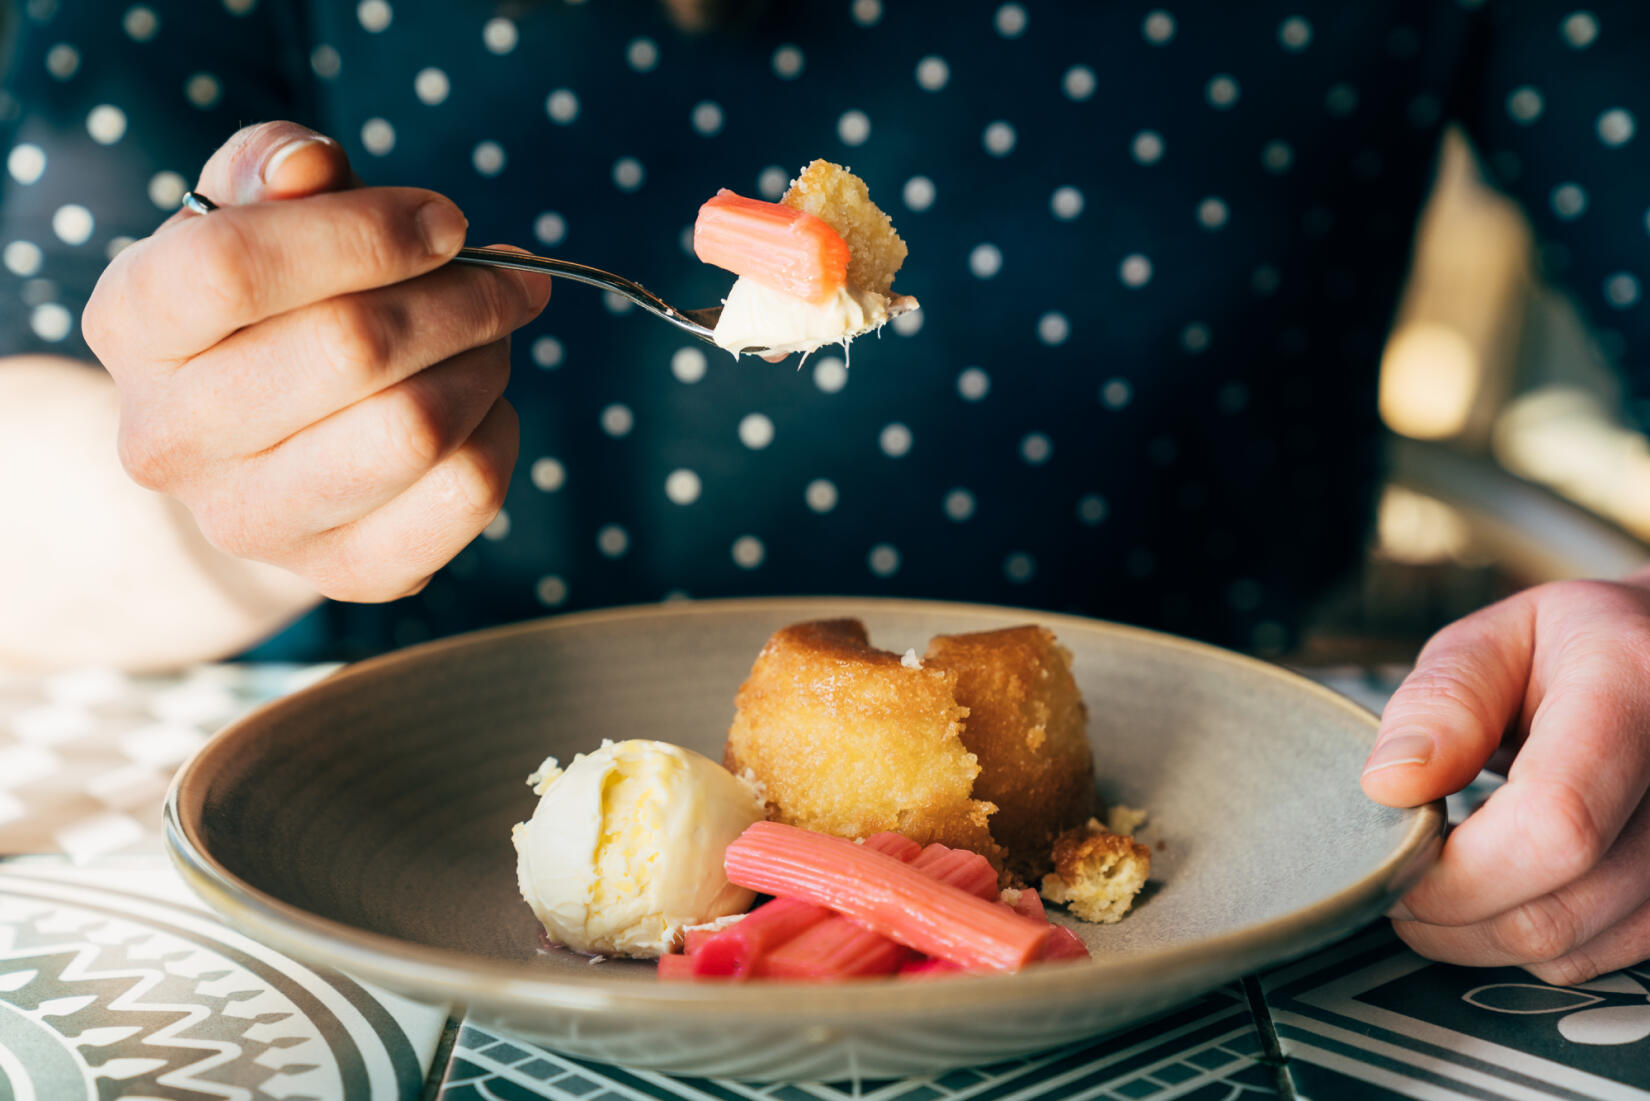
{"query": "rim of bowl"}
pixel 453 976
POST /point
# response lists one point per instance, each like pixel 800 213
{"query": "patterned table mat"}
pixel 114 982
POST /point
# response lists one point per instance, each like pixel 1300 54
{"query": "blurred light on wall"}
pixel 1412 527
pixel 1564 438
pixel 1430 378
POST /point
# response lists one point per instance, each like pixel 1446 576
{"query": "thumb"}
pixel 274 160
pixel 1451 712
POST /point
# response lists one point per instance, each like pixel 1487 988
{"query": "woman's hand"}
pixel 305 371
pixel 1553 872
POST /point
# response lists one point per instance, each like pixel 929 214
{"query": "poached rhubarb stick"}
pixel 735 952
pixel 884 895
pixel 788 250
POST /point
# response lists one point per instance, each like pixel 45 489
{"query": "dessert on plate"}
pixel 815 268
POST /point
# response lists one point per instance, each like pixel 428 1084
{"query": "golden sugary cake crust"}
pixel 1027 726
pixel 849 740
pixel 1097 872
pixel 831 192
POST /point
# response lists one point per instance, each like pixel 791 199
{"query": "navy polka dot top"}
pixel 1158 249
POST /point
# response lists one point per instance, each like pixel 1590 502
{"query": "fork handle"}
pixel 583 273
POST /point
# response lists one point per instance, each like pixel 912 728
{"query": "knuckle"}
pixel 1570 970
pixel 472 486
pixel 1558 828
pixel 1442 687
pixel 354 340
pixel 415 431
pixel 233 530
pixel 1539 931
pixel 149 454
pixel 225 266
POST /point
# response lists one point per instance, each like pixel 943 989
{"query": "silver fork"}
pixel 699 323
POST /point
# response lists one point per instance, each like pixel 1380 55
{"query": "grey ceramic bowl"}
pixel 364 824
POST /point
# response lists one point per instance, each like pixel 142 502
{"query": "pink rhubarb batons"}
pixel 884 895
pixel 788 250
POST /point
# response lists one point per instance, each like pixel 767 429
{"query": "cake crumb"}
pixel 910 660
pixel 1097 872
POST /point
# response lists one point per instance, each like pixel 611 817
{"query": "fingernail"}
pixel 282 154
pixel 1400 749
pixel 1400 912
pixel 441 226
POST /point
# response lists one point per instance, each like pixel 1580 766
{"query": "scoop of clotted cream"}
pixel 758 317
pixel 625 847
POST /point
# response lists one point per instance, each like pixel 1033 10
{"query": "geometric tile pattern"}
pixel 1206 1050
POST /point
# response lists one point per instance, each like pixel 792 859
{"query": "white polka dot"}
pixel 118 245
pixel 1011 20
pixel 612 540
pixel 1616 126
pixel 883 560
pixel 1569 201
pixel 1135 270
pixel 166 190
pixel 1295 34
pixel 140 23
pixel 1157 27
pixel 50 321
pixel 1621 290
pixel 550 228
pixel 688 365
pixel 771 183
pixel 642 54
pixel 562 106
pixel 821 495
pixel 22 258
pixel 488 158
pixel 1147 147
pixel 1277 156
pixel 27 163
pixel 787 62
pixel 959 504
pixel 1066 203
pixel 551 591
pixel 1079 82
pixel 497 528
pixel 239 7
pixel 499 35
pixel 1116 393
pixel 682 486
pixel 909 324
pixel 998 139
pixel 62 61
pixel 707 118
pixel 1264 281
pixel 1525 104
pixel 616 304
pixel 1232 397
pixel 830 374
pixel 72 223
pixel 748 552
pixel 1019 567
pixel 985 261
pixel 375 15
pixel 866 12
pixel 628 174
pixel 326 62
pixel 1212 213
pixel 1036 448
pixel 853 127
pixel 203 90
pixel 37 292
pixel 1342 100
pixel 919 193
pixel 548 474
pixel 548 352
pixel 1091 509
pixel 932 73
pixel 1195 337
pixel 895 440
pixel 1222 91
pixel 377 136
pixel 431 86
pixel 1579 29
pixel 755 431
pixel 1053 328
pixel 617 420
pixel 973 384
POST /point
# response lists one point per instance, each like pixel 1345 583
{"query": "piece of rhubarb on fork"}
pixel 787 250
